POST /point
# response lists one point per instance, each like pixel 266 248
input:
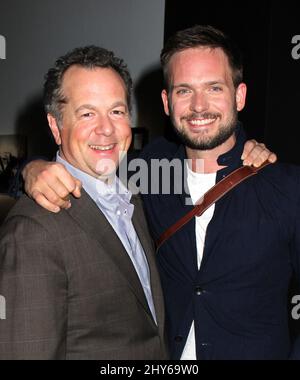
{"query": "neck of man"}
pixel 206 161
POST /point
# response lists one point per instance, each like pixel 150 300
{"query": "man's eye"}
pixel 182 91
pixel 216 89
pixel 87 114
pixel 118 112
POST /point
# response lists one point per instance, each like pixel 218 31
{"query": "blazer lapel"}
pixel 141 228
pixel 87 214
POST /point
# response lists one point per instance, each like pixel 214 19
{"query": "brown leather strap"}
pixel 211 197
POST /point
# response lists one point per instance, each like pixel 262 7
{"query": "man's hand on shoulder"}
pixel 49 184
pixel 255 154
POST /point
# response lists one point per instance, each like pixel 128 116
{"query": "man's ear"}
pixel 164 96
pixel 240 96
pixel 54 128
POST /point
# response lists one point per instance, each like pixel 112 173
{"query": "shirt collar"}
pixel 232 158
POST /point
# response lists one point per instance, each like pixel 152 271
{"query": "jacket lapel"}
pixel 141 228
pixel 91 219
pixel 189 260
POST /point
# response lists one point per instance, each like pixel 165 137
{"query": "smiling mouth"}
pixel 102 148
pixel 201 122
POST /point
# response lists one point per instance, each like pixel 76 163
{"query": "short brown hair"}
pixel 203 36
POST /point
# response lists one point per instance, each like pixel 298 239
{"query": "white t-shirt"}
pixel 198 185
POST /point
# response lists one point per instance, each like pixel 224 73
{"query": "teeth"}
pixel 102 148
pixel 202 122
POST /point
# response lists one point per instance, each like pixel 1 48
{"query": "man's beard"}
pixel 202 142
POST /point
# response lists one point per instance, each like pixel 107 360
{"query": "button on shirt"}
pixel 198 185
pixel 114 201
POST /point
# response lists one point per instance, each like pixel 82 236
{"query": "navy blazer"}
pixel 238 299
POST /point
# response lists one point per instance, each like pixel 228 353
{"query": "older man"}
pixel 83 284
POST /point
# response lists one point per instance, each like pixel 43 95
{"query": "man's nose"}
pixel 199 102
pixel 104 127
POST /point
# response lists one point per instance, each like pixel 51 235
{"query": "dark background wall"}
pixel 39 31
pixel 264 31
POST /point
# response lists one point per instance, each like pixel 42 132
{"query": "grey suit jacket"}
pixel 70 288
